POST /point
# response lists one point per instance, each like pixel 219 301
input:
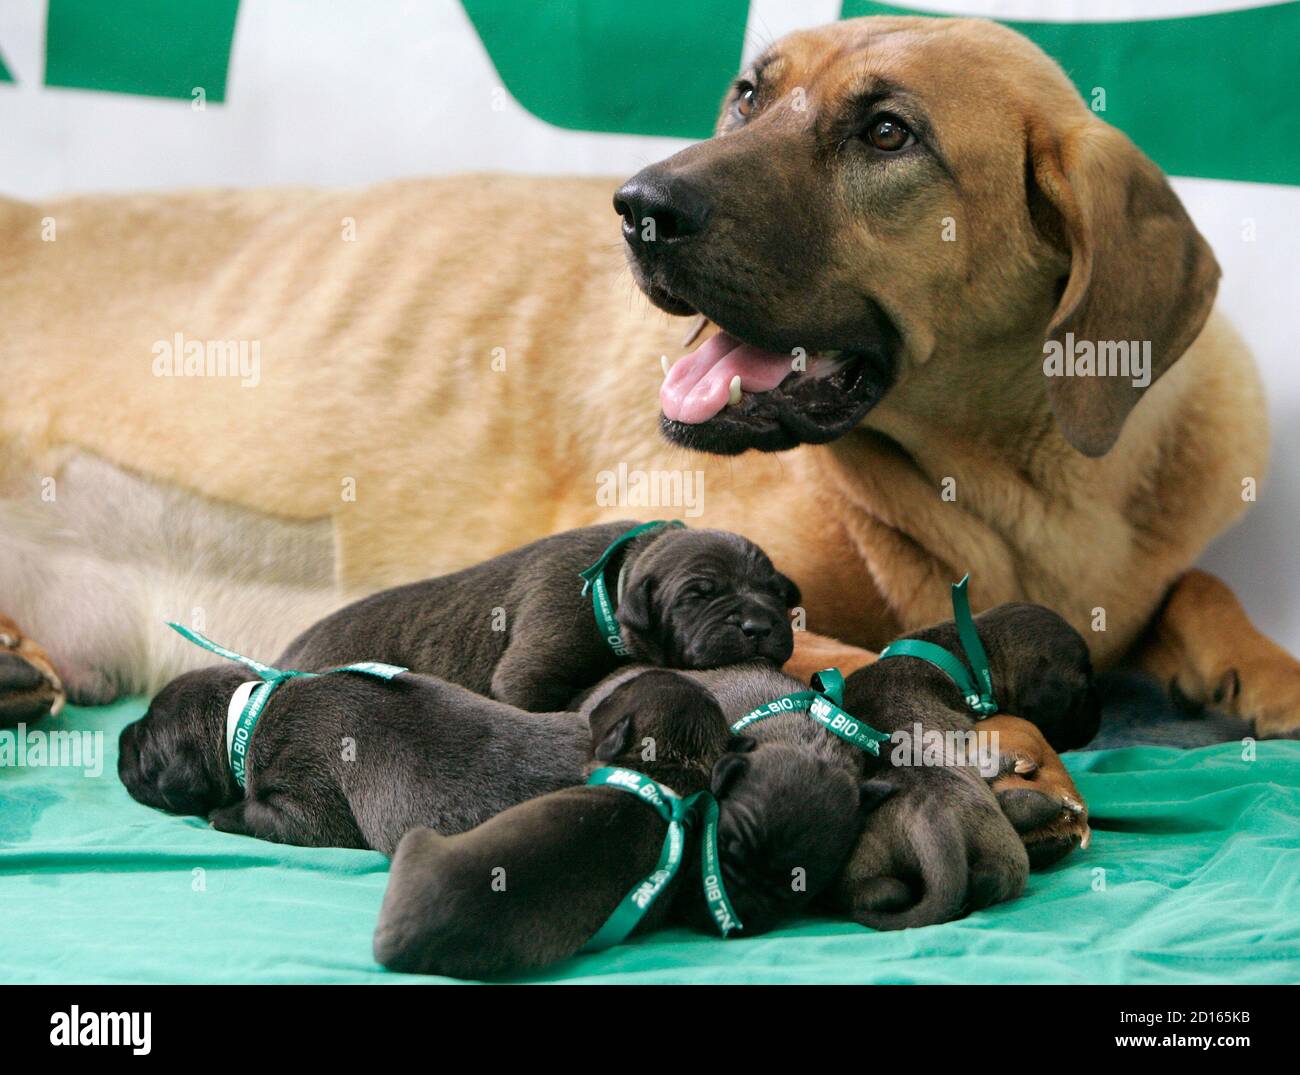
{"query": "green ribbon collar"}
pixel 593 579
pixel 975 682
pixel 240 724
pixel 822 704
pixel 677 812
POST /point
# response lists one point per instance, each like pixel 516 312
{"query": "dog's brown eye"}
pixel 890 134
pixel 745 100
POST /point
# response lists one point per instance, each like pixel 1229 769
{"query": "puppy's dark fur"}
pixel 911 866
pixel 791 803
pixel 535 883
pixel 789 806
pixel 347 760
pixel 691 599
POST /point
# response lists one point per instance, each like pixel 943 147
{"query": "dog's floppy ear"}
pixel 726 771
pixel 636 604
pixel 1139 269
pixel 871 793
pixel 793 598
pixel 611 720
pixel 184 785
pixel 609 743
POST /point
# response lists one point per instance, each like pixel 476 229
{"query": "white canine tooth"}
pixel 1087 839
pixel 663 361
pixel 734 395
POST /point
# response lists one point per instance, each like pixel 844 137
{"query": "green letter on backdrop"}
pixel 155 48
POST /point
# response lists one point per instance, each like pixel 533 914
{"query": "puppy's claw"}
pixel 1025 765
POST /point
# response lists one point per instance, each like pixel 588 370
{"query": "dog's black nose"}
pixel 660 208
pixel 757 627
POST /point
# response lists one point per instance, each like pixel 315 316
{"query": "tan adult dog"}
pixel 448 368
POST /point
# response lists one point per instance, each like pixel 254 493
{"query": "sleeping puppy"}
pixel 518 627
pixel 910 866
pixel 346 760
pixel 535 883
pixel 787 821
pixel 792 798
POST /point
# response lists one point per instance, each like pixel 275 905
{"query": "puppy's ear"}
pixel 790 591
pixel 1046 697
pixel 741 744
pixel 871 793
pixel 184 784
pixel 636 605
pixel 726 771
pixel 613 741
pixel 1139 273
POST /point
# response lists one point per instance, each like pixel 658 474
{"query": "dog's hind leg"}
pixel 1203 645
pixel 94 559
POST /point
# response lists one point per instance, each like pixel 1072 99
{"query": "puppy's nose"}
pixel 757 627
pixel 656 207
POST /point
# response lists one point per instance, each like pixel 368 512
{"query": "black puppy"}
pixel 520 629
pixel 911 866
pixel 792 800
pixel 535 883
pixel 345 760
pixel 783 846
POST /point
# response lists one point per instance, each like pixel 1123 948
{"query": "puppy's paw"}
pixel 231 818
pixel 1036 792
pixel 30 689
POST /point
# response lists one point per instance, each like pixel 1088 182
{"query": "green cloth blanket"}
pixel 1193 876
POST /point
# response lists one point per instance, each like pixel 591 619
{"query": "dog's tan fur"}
pixel 380 363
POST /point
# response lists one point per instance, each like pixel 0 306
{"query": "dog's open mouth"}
pixel 729 396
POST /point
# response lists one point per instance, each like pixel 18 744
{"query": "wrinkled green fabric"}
pixel 1193 875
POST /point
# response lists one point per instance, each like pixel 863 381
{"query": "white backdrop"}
pixel 333 92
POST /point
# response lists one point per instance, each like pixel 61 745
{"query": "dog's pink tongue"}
pixel 699 385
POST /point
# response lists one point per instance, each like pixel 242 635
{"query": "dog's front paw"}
pixel 30 689
pixel 1263 689
pixel 1036 792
